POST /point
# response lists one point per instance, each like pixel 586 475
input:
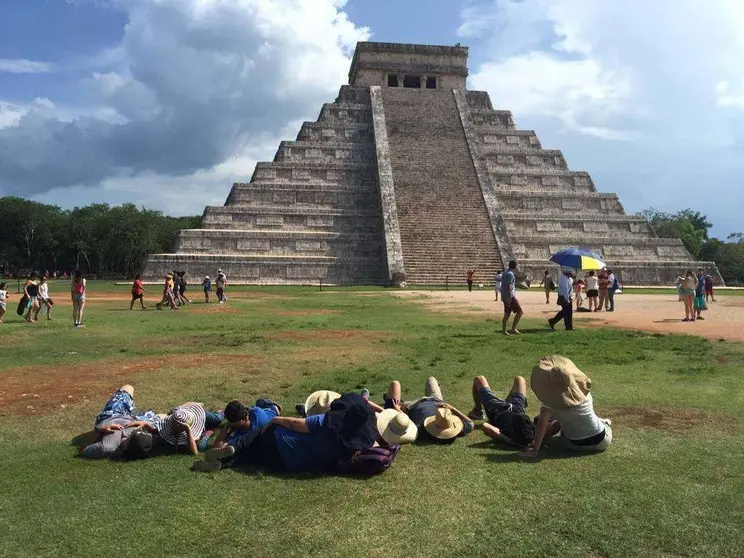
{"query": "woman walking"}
pixel 31 290
pixel 592 291
pixel 3 301
pixel 77 292
pixel 687 293
pixel 138 292
pixel 44 300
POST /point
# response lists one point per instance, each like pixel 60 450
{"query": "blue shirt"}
pixel 259 418
pixel 307 452
pixel 508 283
pixel 565 287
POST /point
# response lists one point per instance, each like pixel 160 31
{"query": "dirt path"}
pixel 656 313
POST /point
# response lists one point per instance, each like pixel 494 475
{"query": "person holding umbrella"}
pixel 565 297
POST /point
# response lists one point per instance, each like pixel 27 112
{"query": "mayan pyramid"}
pixel 410 176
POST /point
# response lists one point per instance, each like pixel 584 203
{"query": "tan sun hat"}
pixel 395 427
pixel 444 425
pixel 320 401
pixel 558 383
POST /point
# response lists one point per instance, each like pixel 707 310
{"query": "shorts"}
pixel 687 292
pixel 120 403
pixel 592 293
pixel 181 290
pixel 136 296
pixel 512 306
pixel 3 306
pixel 601 446
pixel 496 408
pixel 699 302
pixel 709 290
pixel 79 298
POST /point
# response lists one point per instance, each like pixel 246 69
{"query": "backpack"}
pixel 22 305
pixel 615 284
pixel 367 462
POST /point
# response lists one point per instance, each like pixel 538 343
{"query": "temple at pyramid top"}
pixel 411 66
pixel 409 176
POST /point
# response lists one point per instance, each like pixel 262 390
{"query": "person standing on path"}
pixel 509 298
pixel 44 300
pixel 592 291
pixel 207 284
pixel 709 288
pixel 548 284
pixel 565 296
pixel 613 285
pixel 77 292
pixel 604 284
pixel 221 284
pixel 497 283
pixel 31 290
pixel 3 300
pixel 687 293
pixel 470 275
pixel 699 301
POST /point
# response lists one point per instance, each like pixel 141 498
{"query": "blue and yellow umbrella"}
pixel 578 258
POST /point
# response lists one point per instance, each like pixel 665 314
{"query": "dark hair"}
pixel 78 275
pixel 42 279
pixel 2 286
pixel 591 273
pixel 512 264
pixel 139 445
pixel 138 276
pixel 523 429
pixel 609 271
pixel 235 411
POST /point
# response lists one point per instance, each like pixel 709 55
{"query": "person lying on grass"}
pixel 182 427
pixel 563 391
pixel 242 425
pixel 312 443
pixel 117 424
pixel 506 419
pixel 430 417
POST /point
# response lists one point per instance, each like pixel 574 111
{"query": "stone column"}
pixel 396 270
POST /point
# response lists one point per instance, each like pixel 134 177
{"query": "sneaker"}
pixel 515 332
pixel 364 393
pixel 477 414
pixel 207 466
pixel 215 454
pixel 551 324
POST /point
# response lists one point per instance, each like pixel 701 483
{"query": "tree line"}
pixel 692 229
pixel 97 239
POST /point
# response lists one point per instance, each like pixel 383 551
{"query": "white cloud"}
pixel 23 66
pixel 726 98
pixel 193 83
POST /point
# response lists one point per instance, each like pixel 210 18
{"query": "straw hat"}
pixel 558 383
pixel 320 401
pixel 444 425
pixel 395 427
pixel 191 414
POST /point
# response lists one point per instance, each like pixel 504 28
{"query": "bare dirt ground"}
pixel 655 313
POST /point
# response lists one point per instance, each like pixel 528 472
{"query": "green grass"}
pixel 670 488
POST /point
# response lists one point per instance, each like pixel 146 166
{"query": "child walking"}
pixel 207 284
pixel 3 300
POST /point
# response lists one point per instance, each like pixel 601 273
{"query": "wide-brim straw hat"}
pixel 191 414
pixel 558 382
pixel 443 425
pixel 395 427
pixel 319 402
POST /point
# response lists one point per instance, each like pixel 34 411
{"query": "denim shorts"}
pixel 120 403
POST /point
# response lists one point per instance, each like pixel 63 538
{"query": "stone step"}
pixel 499 119
pixel 544 179
pixel 479 100
pixel 515 138
pixel 289 218
pixel 539 159
pixel 322 171
pixel 615 249
pixel 351 94
pixel 348 112
pixel 304 196
pixel 330 152
pixel 335 131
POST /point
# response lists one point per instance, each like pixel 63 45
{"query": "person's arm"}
pixel 190 441
pixel 25 289
pixel 109 428
pixel 142 424
pixel 293 423
pixel 543 420
pixel 462 416
pixel 374 406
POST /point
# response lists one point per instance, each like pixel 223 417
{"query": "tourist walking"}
pixel 138 292
pixel 168 297
pixel 182 288
pixel 44 300
pixel 709 288
pixel 699 302
pixel 604 286
pixel 31 292
pixel 509 299
pixel 687 293
pixel 497 283
pixel 207 284
pixel 77 292
pixel 3 300
pixel 580 295
pixel 592 290
pixel 470 275
pixel 221 285
pixel 548 284
pixel 613 285
pixel 565 300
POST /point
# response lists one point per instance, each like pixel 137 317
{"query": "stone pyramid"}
pixel 408 176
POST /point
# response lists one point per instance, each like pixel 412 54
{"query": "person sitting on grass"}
pixel 506 419
pixel 242 425
pixel 430 424
pixel 312 443
pixel 563 391
pixel 138 292
pixel 116 426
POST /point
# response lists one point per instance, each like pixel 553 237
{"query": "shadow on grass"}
pixel 552 449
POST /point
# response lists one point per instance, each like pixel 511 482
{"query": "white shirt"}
pixel 3 296
pixel 611 278
pixel 565 287
pixel 579 422
pixel 592 283
pixel 44 291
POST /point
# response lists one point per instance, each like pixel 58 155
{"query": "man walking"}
pixel 548 285
pixel 613 285
pixel 565 294
pixel 470 276
pixel 509 298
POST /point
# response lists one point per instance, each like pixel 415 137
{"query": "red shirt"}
pixel 137 288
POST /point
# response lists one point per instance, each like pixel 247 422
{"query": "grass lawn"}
pixel 671 484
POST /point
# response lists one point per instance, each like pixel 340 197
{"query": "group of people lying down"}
pixel 333 426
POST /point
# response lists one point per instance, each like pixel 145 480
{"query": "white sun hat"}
pixel 319 402
pixel 395 427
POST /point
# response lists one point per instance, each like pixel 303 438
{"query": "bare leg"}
pixel 517 317
pixel 394 391
pixel 518 386
pixel 131 304
pixel 49 311
pixel 81 306
pixel 505 321
pixel 432 388
pixel 479 382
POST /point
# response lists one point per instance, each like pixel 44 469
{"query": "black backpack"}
pixel 367 462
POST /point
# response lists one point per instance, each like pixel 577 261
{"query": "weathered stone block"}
pixel 269 221
pixel 254 245
pixel 594 226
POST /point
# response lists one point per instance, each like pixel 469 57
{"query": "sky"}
pixel 166 103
